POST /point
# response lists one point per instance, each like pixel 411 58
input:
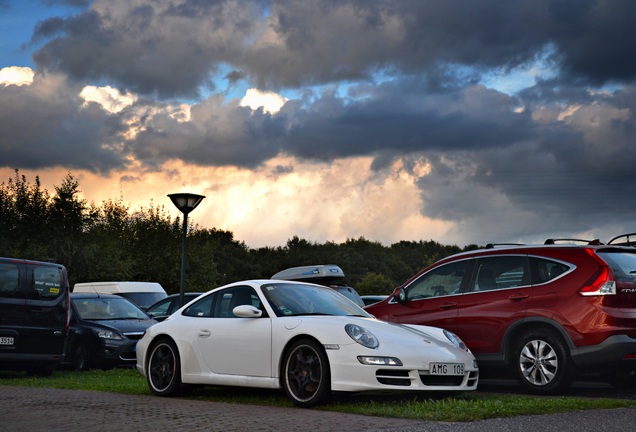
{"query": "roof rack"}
pixel 494 245
pixel 627 241
pixel 551 241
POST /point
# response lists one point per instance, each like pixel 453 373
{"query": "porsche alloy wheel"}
pixel 164 369
pixel 306 375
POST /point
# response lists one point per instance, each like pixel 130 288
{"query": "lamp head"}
pixel 186 202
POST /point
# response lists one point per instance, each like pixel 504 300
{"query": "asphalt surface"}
pixel 55 410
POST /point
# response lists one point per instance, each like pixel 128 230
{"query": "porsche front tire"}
pixel 306 376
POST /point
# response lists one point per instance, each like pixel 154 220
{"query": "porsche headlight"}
pixel 361 335
pixel 455 340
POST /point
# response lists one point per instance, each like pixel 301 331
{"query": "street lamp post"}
pixel 185 202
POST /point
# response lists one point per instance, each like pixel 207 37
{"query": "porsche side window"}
pixel 202 308
pixel 441 281
pixel 228 299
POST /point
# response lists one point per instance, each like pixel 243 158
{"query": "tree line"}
pixel 111 242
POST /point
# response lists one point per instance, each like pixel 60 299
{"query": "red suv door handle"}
pixel 518 297
pixel 448 306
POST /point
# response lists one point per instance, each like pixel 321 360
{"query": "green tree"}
pixel 374 284
pixel 24 220
pixel 106 248
pixel 66 222
pixel 155 248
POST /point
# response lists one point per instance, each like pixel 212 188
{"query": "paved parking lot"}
pixel 53 410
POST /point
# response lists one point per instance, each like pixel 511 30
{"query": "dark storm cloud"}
pixel 405 117
pixel 170 48
pixel 590 40
pixel 217 135
pixel 401 117
pixel 576 174
pixel 43 126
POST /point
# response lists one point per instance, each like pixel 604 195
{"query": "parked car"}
pixel 303 338
pixel 167 306
pixel 34 302
pixel 545 311
pixel 104 331
pixel 143 294
pixel 325 274
pixel 372 299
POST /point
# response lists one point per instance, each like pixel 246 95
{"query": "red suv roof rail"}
pixel 494 245
pixel 551 241
pixel 627 242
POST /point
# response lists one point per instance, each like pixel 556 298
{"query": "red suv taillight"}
pixel 602 284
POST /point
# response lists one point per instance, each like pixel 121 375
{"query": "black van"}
pixel 34 315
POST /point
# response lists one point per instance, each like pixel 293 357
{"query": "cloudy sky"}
pixel 459 121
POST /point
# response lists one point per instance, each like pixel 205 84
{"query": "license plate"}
pixel 6 341
pixel 446 369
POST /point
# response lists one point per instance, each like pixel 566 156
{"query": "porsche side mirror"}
pixel 247 311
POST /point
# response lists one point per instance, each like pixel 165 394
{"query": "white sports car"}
pixel 307 339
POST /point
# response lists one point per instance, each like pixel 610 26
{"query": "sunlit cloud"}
pixel 109 98
pixel 15 75
pixel 270 102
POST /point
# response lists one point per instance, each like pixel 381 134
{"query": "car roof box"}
pixel 313 273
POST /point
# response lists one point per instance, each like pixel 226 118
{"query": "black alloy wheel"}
pixel 164 369
pixel 306 376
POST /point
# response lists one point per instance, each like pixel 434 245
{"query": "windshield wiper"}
pixel 310 313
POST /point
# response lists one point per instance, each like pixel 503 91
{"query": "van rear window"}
pixel 47 282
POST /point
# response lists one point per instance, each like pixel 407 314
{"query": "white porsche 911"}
pixel 307 339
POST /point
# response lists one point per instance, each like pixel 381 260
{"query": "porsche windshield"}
pixel 289 299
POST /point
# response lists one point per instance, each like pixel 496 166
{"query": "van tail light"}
pixel 602 283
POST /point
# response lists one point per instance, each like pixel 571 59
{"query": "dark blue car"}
pixel 104 331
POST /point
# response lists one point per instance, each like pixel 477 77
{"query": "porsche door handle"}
pixel 204 333
pixel 518 297
pixel 449 305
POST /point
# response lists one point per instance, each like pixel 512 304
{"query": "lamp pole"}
pixel 185 202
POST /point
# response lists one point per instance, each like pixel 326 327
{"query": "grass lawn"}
pixel 453 408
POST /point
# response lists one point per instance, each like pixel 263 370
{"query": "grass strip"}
pixel 454 408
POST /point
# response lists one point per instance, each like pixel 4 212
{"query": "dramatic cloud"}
pixel 476 120
pixel 45 125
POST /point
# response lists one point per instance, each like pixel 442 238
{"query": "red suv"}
pixel 544 311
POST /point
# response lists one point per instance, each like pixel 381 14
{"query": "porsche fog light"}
pixel 379 361
pixel 361 335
